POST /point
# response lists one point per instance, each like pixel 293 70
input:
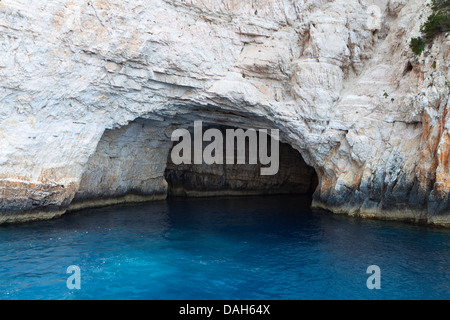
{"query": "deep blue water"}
pixel 227 248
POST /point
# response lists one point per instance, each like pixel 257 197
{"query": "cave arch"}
pixel 132 164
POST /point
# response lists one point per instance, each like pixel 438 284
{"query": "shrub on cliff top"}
pixel 437 22
pixel 440 4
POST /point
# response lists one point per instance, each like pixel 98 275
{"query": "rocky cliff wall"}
pixel 360 107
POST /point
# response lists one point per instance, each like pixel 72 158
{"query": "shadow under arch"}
pixel 294 176
pixel 132 163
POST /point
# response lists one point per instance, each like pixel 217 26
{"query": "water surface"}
pixel 222 248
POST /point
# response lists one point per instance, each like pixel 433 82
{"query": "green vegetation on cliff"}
pixel 437 23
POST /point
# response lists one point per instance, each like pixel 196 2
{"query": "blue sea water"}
pixel 222 248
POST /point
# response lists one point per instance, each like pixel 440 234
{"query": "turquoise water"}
pixel 227 248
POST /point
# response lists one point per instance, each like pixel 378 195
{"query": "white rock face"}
pixel 360 107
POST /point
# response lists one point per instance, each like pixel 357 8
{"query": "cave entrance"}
pixel 133 164
pixel 294 176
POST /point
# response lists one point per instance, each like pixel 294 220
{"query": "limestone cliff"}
pixel 91 90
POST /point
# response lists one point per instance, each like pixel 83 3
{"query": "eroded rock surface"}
pixel 359 106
